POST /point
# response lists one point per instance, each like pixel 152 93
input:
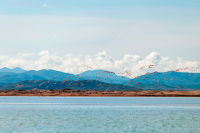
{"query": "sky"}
pixel 129 31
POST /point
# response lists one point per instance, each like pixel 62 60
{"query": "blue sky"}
pixel 119 27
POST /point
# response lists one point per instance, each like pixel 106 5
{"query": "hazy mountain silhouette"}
pixel 14 70
pixel 167 80
pixel 104 76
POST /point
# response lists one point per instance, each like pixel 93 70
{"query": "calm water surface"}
pixel 99 115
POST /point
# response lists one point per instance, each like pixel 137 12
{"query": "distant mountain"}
pixel 104 76
pixel 152 81
pixel 167 81
pixel 6 78
pixel 53 75
pixel 10 77
pixel 14 70
pixel 74 85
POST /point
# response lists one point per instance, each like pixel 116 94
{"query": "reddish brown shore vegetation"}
pixel 68 92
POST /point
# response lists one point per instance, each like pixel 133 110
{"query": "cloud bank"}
pixel 128 65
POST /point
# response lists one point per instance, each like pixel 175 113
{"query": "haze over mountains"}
pixel 14 70
pixel 18 78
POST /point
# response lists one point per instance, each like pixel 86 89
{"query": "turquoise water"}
pixel 99 115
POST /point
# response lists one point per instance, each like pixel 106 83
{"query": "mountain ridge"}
pixel 74 85
pixel 151 81
pixel 14 70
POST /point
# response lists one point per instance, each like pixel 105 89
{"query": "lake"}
pixel 99 115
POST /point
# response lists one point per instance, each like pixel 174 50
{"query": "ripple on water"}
pixel 99 118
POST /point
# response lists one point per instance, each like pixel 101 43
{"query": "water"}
pixel 99 115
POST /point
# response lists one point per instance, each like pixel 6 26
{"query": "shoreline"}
pixel 92 93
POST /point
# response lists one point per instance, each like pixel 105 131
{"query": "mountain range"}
pixel 18 78
pixel 167 81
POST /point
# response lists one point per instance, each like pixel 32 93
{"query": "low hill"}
pixel 74 85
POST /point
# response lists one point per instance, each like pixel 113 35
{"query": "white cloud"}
pixel 128 65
